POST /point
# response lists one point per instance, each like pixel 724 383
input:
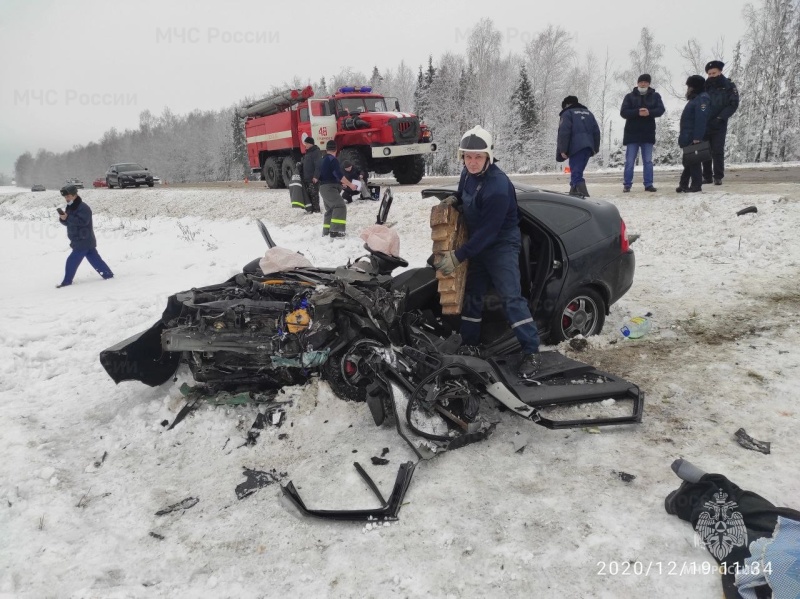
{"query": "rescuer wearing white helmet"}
pixel 488 201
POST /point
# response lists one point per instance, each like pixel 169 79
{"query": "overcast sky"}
pixel 71 70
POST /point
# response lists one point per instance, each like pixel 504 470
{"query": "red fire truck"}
pixel 369 130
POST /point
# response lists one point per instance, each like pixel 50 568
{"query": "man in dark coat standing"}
pixel 640 109
pixel 578 140
pixel 78 220
pixel 310 165
pixel 724 102
pixel 693 126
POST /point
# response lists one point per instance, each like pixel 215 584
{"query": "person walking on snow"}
pixel 640 109
pixel 331 179
pixel 578 140
pixel 692 128
pixel 78 220
pixel 488 202
pixel 724 101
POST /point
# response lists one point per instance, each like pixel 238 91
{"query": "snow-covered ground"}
pixel 85 464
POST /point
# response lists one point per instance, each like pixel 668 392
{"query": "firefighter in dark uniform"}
pixel 331 179
pixel 310 164
pixel 351 174
pixel 488 202
pixel 694 120
pixel 724 102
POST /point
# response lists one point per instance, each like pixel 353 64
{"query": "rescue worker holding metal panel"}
pixel 488 202
pixel 331 179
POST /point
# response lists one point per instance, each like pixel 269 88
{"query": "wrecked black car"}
pixel 376 338
pixel 363 330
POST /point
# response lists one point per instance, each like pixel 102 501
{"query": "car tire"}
pixel 138 185
pixel 332 372
pixel 582 312
pixel 120 184
pixel 108 184
pixel 150 184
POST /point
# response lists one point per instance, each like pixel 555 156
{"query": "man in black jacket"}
pixel 640 108
pixel 311 162
pixel 724 102
pixel 578 140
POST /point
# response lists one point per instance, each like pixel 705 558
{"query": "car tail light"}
pixel 623 237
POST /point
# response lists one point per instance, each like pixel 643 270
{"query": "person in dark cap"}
pixel 77 218
pixel 310 166
pixel 359 179
pixel 640 109
pixel 692 130
pixel 724 102
pixel 578 140
pixel 331 179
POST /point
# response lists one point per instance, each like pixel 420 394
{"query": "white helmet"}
pixel 476 139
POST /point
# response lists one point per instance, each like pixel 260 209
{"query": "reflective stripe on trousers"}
pixel 335 209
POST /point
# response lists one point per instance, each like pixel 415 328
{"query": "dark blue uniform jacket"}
pixel 489 205
pixel 79 226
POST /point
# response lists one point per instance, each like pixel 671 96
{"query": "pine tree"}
pixel 524 102
pixel 376 79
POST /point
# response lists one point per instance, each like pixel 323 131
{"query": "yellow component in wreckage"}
pixel 298 320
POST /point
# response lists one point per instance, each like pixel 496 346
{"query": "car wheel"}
pixel 120 184
pixel 583 312
pixel 108 184
pixel 150 184
pixel 341 372
pixel 138 185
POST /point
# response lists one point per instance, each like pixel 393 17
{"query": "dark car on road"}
pixel 575 262
pixel 128 174
pixel 38 187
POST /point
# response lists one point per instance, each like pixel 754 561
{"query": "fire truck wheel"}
pixel 288 166
pixel 354 156
pixel 408 170
pixel 272 173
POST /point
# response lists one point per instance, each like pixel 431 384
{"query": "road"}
pixel 745 180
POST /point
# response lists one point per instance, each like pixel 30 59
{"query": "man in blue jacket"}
pixel 488 202
pixel 692 129
pixel 331 179
pixel 724 102
pixel 640 109
pixel 578 140
pixel 78 220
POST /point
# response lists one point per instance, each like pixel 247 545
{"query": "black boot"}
pixel 572 190
pixel 717 181
pixel 581 189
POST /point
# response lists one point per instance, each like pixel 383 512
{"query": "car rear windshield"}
pixel 124 168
